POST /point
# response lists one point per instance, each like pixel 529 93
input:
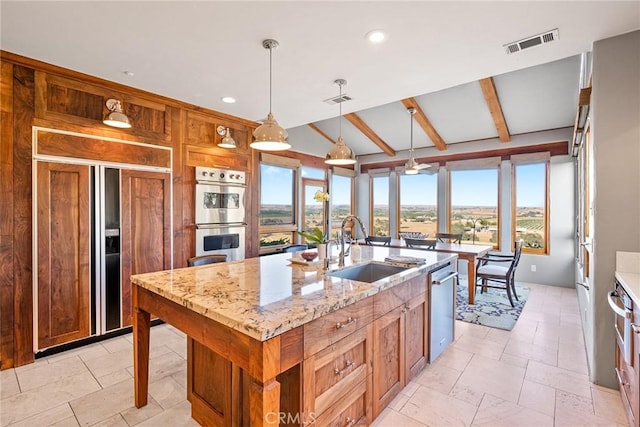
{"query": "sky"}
pixel 468 188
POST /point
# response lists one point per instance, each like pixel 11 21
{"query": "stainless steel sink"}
pixel 369 273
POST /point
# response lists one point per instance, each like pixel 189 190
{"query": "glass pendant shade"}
pixel 270 136
pixel 340 154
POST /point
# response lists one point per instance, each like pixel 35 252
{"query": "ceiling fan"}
pixel 412 167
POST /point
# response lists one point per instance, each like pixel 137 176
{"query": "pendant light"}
pixel 412 167
pixel 340 154
pixel 269 136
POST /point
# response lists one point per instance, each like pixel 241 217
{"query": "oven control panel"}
pixel 223 176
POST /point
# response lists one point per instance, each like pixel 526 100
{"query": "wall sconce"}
pixel 116 117
pixel 227 141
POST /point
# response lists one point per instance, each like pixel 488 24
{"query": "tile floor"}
pixel 534 375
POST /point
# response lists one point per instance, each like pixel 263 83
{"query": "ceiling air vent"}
pixel 338 99
pixel 536 40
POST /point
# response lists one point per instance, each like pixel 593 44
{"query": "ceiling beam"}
pixel 425 124
pixel 322 134
pixel 369 133
pixel 491 96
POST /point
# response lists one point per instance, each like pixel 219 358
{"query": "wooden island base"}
pixel 343 367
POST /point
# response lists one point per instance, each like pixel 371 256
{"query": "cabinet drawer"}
pixel 386 301
pixel 354 410
pixel 329 329
pixel 331 374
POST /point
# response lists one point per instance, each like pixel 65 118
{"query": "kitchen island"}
pixel 265 326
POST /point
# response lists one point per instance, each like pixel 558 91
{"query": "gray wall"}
pixel 615 126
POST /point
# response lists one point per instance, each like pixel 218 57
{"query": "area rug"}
pixel 492 308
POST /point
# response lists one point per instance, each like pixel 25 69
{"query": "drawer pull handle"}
pixel 351 421
pixel 636 328
pixel 350 320
pixel 348 364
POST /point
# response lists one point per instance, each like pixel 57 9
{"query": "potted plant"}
pixel 315 235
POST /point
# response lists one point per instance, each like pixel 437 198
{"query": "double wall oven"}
pixel 220 212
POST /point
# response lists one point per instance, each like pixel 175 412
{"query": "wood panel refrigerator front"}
pixel 63 218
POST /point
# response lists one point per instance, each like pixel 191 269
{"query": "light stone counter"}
pixel 628 273
pixel 266 296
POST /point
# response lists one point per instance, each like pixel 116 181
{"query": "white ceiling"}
pixel 200 51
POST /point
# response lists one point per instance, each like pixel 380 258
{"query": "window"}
pixel 277 207
pixel 313 212
pixel 341 200
pixel 379 208
pixel 418 205
pixel 473 208
pixel 530 212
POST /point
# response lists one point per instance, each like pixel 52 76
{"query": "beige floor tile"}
pixel 50 373
pixel 538 397
pixel 440 378
pixel 391 418
pixel 410 388
pixel 181 377
pixel 134 416
pixel 496 412
pixel 178 416
pixel 60 413
pixel 399 401
pixel 88 352
pixel 103 404
pixel 524 330
pixel 67 422
pixel 479 346
pixel 532 351
pixel 115 345
pixel 498 336
pixel 436 409
pixel 114 378
pixel 561 379
pixel 570 318
pixel 464 328
pixel 608 405
pixel 8 383
pixel 49 396
pixel 113 421
pixel 455 358
pixel 111 362
pixel 573 410
pixel 164 365
pixel 493 376
pixel 573 357
pixel 514 360
pixel 167 392
pixel 466 394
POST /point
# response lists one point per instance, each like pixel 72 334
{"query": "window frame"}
pixel 372 177
pixel 546 249
pixel 399 203
pixel 283 228
pixel 352 197
pixel 498 170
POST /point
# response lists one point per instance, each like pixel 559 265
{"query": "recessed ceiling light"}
pixel 129 73
pixel 375 36
pixel 228 99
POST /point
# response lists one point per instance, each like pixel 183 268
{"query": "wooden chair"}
pixel 206 259
pixel 295 248
pixel 449 237
pixel 498 271
pixel 385 240
pixel 424 244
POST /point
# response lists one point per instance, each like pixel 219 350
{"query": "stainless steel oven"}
pixel 220 212
pixel 622 306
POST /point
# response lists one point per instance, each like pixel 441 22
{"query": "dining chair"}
pixel 498 271
pixel 206 259
pixel 449 237
pixel 385 240
pixel 424 244
pixel 295 248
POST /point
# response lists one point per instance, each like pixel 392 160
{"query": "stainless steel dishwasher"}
pixel 442 305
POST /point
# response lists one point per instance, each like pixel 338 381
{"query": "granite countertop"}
pixel 628 273
pixel 266 296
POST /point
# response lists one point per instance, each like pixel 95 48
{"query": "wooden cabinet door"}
pixel 417 335
pixel 63 241
pixel 388 358
pixel 146 228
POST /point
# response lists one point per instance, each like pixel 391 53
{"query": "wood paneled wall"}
pixel 34 93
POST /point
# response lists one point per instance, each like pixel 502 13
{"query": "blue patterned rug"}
pixel 492 308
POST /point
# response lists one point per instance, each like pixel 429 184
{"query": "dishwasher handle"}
pixel 616 309
pixel 440 281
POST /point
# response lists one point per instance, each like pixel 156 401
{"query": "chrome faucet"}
pixel 344 222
